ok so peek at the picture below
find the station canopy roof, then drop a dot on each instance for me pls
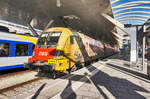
(131, 11)
(89, 12)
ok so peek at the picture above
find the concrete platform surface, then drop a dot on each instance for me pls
(109, 79)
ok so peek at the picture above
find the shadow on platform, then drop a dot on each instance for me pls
(129, 72)
(68, 89)
(38, 91)
(119, 88)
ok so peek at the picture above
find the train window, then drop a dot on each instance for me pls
(21, 50)
(4, 49)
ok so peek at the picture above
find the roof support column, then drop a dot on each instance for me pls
(133, 51)
(133, 56)
(144, 67)
(143, 54)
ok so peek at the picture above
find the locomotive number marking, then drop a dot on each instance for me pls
(43, 53)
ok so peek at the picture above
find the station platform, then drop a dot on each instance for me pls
(108, 79)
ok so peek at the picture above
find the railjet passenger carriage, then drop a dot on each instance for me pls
(62, 50)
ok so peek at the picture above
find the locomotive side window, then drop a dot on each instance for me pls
(71, 40)
(21, 50)
(4, 49)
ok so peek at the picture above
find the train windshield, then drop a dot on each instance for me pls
(49, 39)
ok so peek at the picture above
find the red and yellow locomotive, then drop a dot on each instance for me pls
(61, 49)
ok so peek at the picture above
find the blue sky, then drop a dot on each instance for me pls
(131, 11)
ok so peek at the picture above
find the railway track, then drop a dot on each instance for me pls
(13, 84)
(26, 86)
(18, 85)
(12, 79)
(10, 83)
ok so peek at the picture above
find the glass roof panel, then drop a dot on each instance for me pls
(131, 11)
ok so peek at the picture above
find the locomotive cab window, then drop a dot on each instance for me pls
(21, 50)
(4, 49)
(49, 38)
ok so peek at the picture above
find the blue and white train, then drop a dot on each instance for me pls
(15, 50)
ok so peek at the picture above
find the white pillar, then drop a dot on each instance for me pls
(133, 37)
(143, 54)
(143, 51)
(137, 52)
